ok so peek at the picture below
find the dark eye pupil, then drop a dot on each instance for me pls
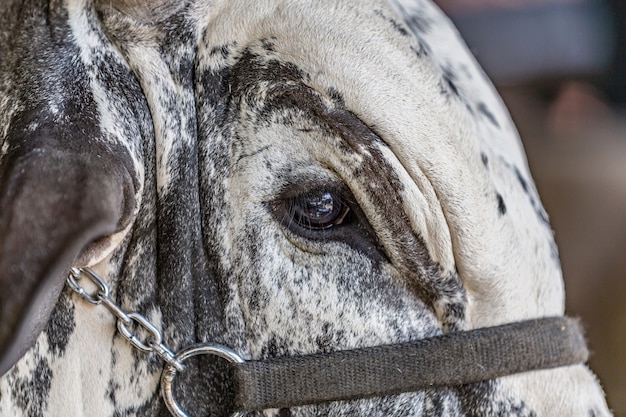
(318, 210)
(318, 207)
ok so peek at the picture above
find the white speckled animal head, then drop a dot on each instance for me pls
(281, 177)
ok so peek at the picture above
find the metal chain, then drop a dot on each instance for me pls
(153, 343)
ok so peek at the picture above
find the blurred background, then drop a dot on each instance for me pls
(560, 65)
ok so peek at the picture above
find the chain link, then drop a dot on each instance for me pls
(154, 341)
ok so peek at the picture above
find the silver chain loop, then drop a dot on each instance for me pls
(96, 298)
(153, 342)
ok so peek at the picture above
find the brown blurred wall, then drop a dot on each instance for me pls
(579, 166)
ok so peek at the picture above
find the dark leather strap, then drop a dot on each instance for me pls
(447, 360)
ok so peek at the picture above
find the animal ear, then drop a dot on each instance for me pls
(60, 192)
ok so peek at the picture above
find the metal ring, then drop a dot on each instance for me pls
(169, 373)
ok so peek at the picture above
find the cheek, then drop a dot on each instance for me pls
(295, 301)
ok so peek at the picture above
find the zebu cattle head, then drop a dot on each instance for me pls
(281, 177)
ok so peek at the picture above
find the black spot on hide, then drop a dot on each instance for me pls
(554, 252)
(419, 24)
(61, 325)
(534, 201)
(397, 26)
(336, 97)
(484, 110)
(223, 51)
(480, 400)
(330, 337)
(454, 312)
(435, 402)
(274, 348)
(521, 180)
(31, 393)
(501, 204)
(422, 49)
(451, 86)
(268, 44)
(485, 159)
(449, 82)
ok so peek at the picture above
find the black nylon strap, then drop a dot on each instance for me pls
(447, 360)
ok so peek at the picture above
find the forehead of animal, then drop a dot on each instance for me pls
(400, 69)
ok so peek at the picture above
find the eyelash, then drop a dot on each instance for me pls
(317, 210)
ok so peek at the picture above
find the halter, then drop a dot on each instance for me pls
(446, 360)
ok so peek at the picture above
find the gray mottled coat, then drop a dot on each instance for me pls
(165, 146)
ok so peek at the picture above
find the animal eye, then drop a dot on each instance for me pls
(317, 210)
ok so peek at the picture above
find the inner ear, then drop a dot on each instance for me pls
(56, 198)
